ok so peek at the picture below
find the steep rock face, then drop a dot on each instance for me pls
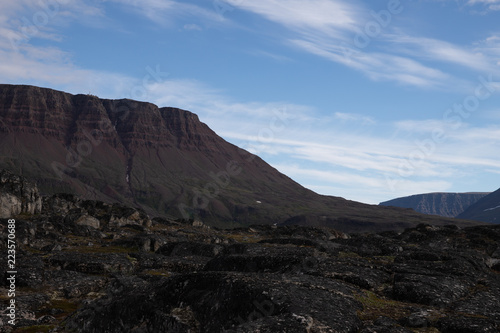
(443, 204)
(487, 209)
(17, 196)
(163, 160)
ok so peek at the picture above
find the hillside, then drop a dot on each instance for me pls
(165, 161)
(443, 204)
(486, 209)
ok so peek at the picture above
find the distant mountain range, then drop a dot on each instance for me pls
(166, 162)
(443, 204)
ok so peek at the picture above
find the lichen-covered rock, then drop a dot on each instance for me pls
(91, 263)
(171, 276)
(466, 324)
(213, 302)
(190, 249)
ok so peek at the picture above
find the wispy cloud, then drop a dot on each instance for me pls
(331, 18)
(491, 4)
(438, 50)
(336, 30)
(350, 117)
(165, 12)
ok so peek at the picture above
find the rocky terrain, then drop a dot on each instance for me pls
(487, 209)
(89, 266)
(165, 161)
(443, 204)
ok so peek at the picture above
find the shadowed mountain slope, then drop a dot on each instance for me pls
(486, 209)
(163, 160)
(444, 204)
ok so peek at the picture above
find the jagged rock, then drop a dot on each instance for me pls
(466, 324)
(190, 249)
(47, 319)
(253, 258)
(417, 320)
(143, 242)
(80, 217)
(122, 216)
(60, 203)
(493, 264)
(231, 301)
(73, 284)
(385, 325)
(91, 263)
(17, 195)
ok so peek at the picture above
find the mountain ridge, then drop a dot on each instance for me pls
(487, 209)
(163, 160)
(446, 204)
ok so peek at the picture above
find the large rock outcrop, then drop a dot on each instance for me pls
(17, 196)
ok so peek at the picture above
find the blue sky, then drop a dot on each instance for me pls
(368, 100)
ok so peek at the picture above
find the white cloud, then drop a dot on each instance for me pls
(336, 30)
(331, 18)
(350, 117)
(192, 27)
(21, 62)
(491, 4)
(164, 12)
(368, 188)
(439, 50)
(329, 29)
(380, 66)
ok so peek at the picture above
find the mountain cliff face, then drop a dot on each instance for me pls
(487, 209)
(163, 160)
(443, 204)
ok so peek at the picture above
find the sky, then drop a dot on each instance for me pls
(367, 100)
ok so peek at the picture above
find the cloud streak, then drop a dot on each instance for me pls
(351, 34)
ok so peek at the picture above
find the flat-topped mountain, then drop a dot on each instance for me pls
(444, 204)
(163, 160)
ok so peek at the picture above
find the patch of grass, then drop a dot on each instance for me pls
(32, 250)
(384, 259)
(65, 306)
(375, 306)
(131, 259)
(472, 315)
(35, 329)
(243, 238)
(425, 330)
(101, 249)
(158, 272)
(343, 254)
(26, 216)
